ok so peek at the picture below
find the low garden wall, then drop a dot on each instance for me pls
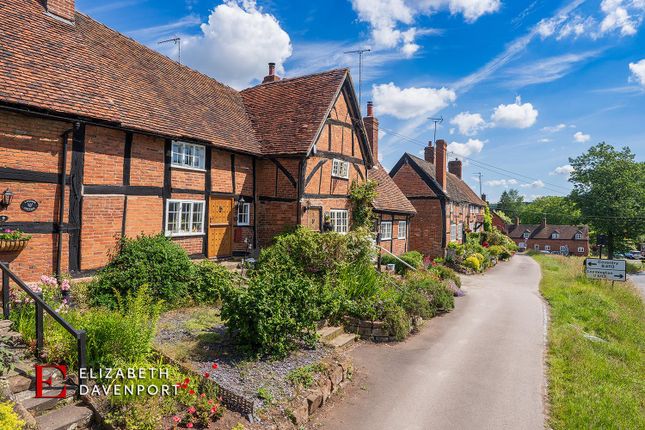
(375, 331)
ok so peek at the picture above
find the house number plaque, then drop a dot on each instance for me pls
(29, 205)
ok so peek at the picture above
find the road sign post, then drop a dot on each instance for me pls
(610, 270)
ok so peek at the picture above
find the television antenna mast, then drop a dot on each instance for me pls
(360, 53)
(480, 174)
(436, 121)
(175, 41)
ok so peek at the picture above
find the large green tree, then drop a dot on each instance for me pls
(511, 203)
(609, 189)
(556, 209)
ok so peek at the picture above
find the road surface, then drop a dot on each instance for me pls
(478, 367)
(639, 280)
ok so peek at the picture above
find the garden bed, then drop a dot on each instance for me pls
(197, 338)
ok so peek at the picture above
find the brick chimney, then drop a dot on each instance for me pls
(440, 165)
(271, 77)
(428, 153)
(543, 224)
(517, 221)
(454, 167)
(61, 8)
(371, 128)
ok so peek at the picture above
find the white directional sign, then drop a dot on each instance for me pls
(611, 270)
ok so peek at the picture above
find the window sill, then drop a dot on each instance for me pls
(192, 169)
(171, 235)
(243, 225)
(340, 177)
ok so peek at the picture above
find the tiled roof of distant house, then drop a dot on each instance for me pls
(537, 231)
(390, 198)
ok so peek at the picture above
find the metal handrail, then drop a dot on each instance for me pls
(80, 335)
(389, 252)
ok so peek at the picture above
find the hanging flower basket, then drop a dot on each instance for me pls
(13, 240)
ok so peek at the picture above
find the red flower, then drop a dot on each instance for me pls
(210, 402)
(206, 375)
(191, 410)
(214, 366)
(176, 419)
(186, 381)
(214, 409)
(184, 386)
(191, 392)
(189, 425)
(203, 395)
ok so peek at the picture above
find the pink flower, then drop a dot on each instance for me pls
(210, 402)
(176, 419)
(189, 425)
(191, 410)
(214, 409)
(7, 230)
(65, 286)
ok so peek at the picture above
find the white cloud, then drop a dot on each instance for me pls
(406, 103)
(546, 69)
(515, 115)
(236, 44)
(391, 21)
(468, 123)
(618, 16)
(545, 140)
(473, 146)
(501, 182)
(535, 184)
(638, 72)
(554, 128)
(567, 169)
(580, 137)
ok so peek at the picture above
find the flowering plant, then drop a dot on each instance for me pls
(202, 403)
(8, 234)
(53, 292)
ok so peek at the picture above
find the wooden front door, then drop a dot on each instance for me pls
(313, 218)
(220, 227)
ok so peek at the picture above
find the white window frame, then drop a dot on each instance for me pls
(243, 213)
(547, 247)
(526, 235)
(402, 230)
(564, 248)
(581, 249)
(386, 230)
(460, 232)
(184, 155)
(578, 236)
(453, 232)
(340, 169)
(342, 215)
(555, 235)
(180, 213)
(536, 247)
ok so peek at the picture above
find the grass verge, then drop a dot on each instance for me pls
(596, 349)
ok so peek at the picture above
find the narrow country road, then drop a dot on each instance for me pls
(479, 367)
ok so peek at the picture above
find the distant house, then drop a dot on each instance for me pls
(446, 206)
(499, 222)
(565, 239)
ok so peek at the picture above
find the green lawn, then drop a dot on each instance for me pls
(593, 383)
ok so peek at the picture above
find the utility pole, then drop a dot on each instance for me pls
(360, 53)
(175, 41)
(436, 121)
(480, 174)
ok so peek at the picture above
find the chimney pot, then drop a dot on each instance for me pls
(517, 221)
(271, 77)
(544, 222)
(428, 153)
(371, 129)
(454, 167)
(61, 8)
(440, 165)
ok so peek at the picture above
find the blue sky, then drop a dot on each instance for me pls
(521, 85)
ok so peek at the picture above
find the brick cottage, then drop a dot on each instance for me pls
(102, 137)
(446, 206)
(564, 239)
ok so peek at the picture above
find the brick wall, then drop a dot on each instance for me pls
(555, 245)
(147, 161)
(101, 228)
(221, 177)
(275, 218)
(395, 245)
(188, 179)
(244, 175)
(426, 230)
(408, 181)
(144, 215)
(104, 153)
(192, 245)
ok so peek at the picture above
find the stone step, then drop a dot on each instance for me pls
(66, 418)
(5, 323)
(18, 383)
(328, 333)
(38, 406)
(12, 336)
(342, 341)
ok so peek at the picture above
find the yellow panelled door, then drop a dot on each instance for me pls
(220, 225)
(312, 219)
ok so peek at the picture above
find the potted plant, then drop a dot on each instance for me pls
(13, 240)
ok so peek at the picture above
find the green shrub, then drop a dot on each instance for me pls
(413, 258)
(155, 261)
(304, 376)
(396, 319)
(278, 310)
(473, 262)
(480, 257)
(9, 420)
(446, 273)
(210, 280)
(428, 286)
(495, 250)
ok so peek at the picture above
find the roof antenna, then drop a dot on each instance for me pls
(436, 121)
(360, 53)
(175, 41)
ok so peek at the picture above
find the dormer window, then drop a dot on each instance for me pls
(578, 236)
(555, 235)
(526, 234)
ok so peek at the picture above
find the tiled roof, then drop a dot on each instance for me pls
(536, 231)
(90, 71)
(456, 189)
(390, 198)
(288, 114)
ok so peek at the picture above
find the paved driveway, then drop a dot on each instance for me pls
(479, 367)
